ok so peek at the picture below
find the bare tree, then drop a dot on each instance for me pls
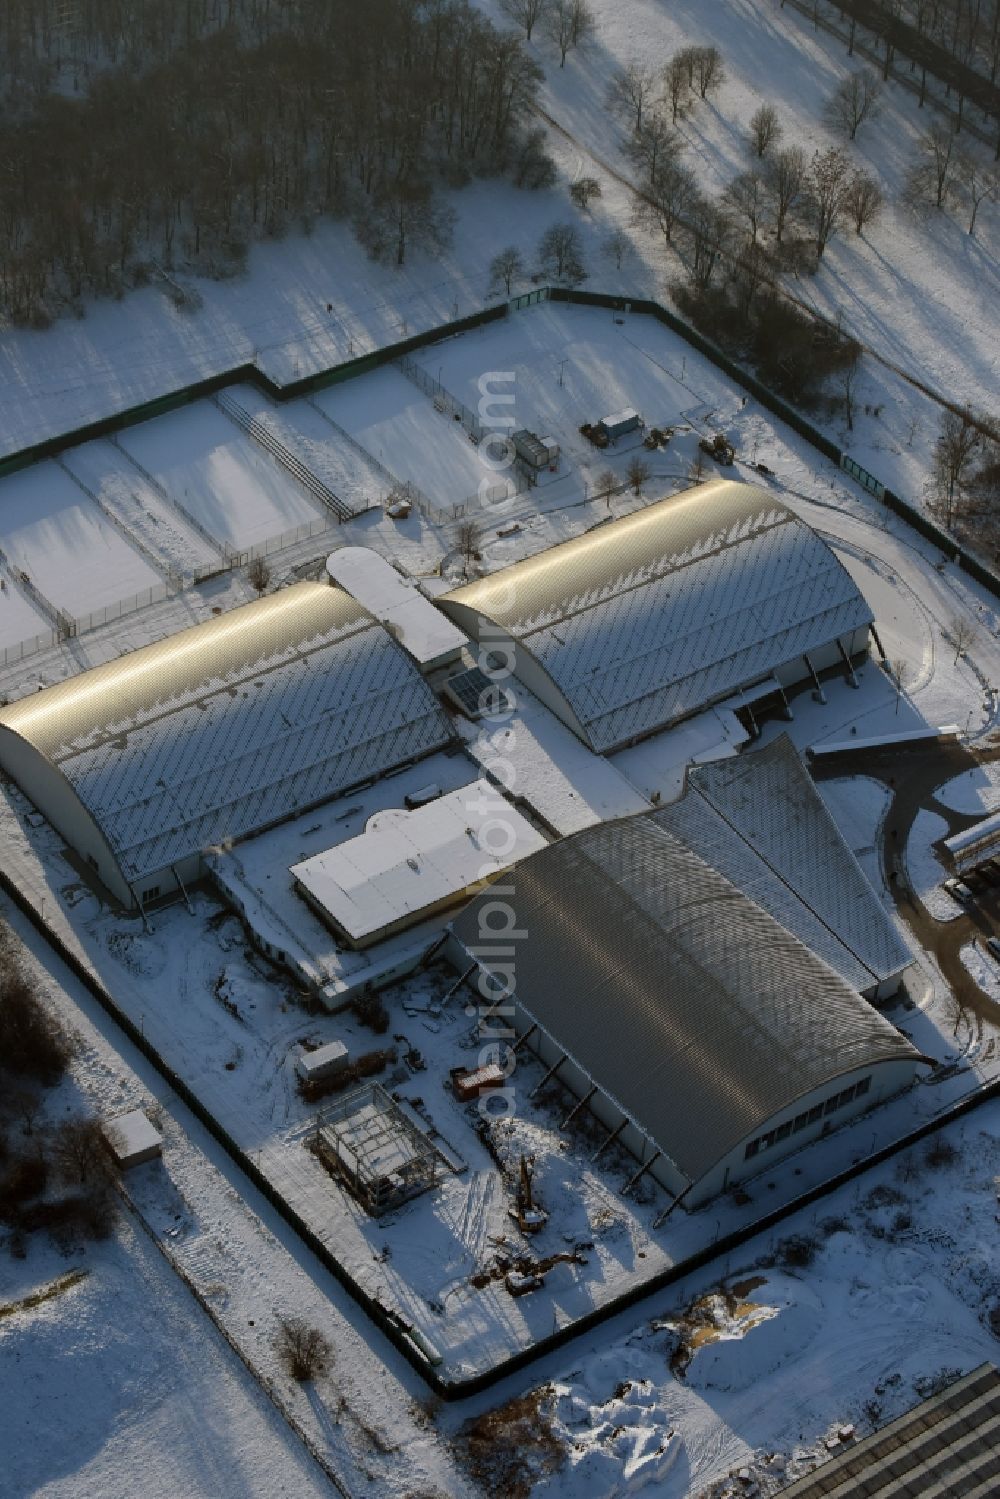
(404, 213)
(711, 239)
(745, 196)
(79, 1150)
(560, 254)
(652, 144)
(979, 182)
(931, 175)
(583, 190)
(467, 541)
(506, 267)
(607, 483)
(765, 130)
(304, 1350)
(27, 1106)
(632, 89)
(957, 445)
(677, 83)
(785, 175)
(637, 473)
(525, 13)
(848, 380)
(708, 70)
(669, 194)
(617, 247)
(568, 23)
(963, 633)
(853, 101)
(863, 200)
(259, 574)
(829, 177)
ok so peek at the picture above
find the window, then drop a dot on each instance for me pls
(151, 893)
(862, 1087)
(846, 1097)
(801, 1120)
(751, 1149)
(816, 1112)
(831, 1104)
(783, 1131)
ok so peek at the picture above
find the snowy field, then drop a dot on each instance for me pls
(306, 433)
(925, 870)
(397, 424)
(107, 472)
(125, 1387)
(51, 530)
(219, 475)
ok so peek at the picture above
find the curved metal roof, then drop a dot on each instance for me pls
(759, 819)
(680, 998)
(651, 617)
(232, 724)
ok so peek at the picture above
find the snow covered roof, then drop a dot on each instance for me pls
(685, 1002)
(411, 618)
(407, 862)
(760, 821)
(231, 725)
(652, 617)
(976, 844)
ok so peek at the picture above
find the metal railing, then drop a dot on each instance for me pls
(262, 434)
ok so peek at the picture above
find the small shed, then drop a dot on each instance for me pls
(132, 1140)
(619, 423)
(325, 1061)
(537, 452)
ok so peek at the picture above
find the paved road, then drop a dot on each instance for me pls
(912, 774)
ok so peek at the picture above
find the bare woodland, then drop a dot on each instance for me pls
(140, 136)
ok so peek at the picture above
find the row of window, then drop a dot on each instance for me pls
(802, 1121)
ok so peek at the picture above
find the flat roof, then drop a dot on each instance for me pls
(421, 629)
(406, 862)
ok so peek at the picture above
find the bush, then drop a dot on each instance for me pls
(303, 1350)
(25, 1177)
(941, 1153)
(797, 1252)
(31, 1041)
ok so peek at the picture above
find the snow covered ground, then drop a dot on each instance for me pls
(19, 619)
(220, 475)
(305, 432)
(925, 870)
(900, 1284)
(56, 534)
(983, 967)
(107, 472)
(397, 424)
(976, 793)
(858, 806)
(121, 1384)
